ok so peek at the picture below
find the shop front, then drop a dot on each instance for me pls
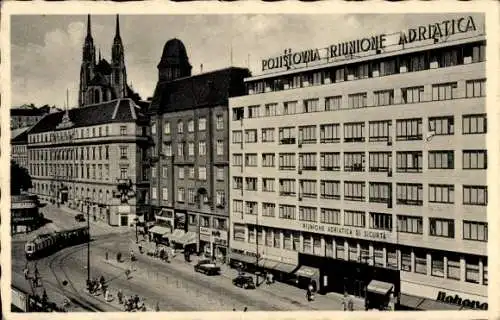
(205, 241)
(214, 243)
(181, 238)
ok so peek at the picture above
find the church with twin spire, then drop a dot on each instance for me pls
(100, 80)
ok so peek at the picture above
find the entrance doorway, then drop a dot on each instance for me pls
(359, 288)
(123, 220)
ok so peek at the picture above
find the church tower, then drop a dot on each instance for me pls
(119, 73)
(88, 64)
(174, 62)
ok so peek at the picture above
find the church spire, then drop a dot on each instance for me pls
(117, 32)
(89, 32)
(100, 55)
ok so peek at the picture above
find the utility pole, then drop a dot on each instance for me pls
(88, 242)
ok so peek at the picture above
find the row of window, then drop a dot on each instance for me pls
(202, 148)
(192, 196)
(439, 58)
(406, 129)
(202, 172)
(98, 196)
(94, 172)
(69, 135)
(401, 258)
(381, 192)
(81, 153)
(180, 125)
(445, 91)
(406, 161)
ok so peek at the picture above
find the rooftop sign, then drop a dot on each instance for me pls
(438, 30)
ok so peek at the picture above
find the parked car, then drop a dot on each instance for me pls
(244, 281)
(207, 267)
(80, 217)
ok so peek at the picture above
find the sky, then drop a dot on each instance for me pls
(46, 50)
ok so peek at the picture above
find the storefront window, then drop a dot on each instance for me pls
(340, 250)
(485, 274)
(392, 259)
(269, 237)
(287, 240)
(277, 239)
(317, 246)
(205, 222)
(453, 269)
(307, 244)
(472, 271)
(260, 235)
(365, 254)
(353, 252)
(239, 232)
(406, 261)
(420, 263)
(192, 219)
(296, 241)
(378, 253)
(251, 234)
(437, 266)
(329, 247)
(220, 223)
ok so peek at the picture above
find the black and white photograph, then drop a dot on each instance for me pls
(243, 162)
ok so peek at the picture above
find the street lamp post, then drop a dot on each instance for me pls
(87, 201)
(136, 236)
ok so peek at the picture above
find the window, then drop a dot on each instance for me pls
(253, 112)
(165, 194)
(412, 94)
(180, 194)
(329, 133)
(386, 68)
(180, 127)
(251, 159)
(287, 135)
(442, 227)
(381, 221)
(330, 161)
(380, 161)
(307, 161)
(287, 187)
(441, 126)
(220, 198)
(191, 172)
(477, 231)
(380, 192)
(444, 91)
(123, 152)
(383, 98)
(354, 190)
(308, 214)
(191, 196)
(287, 161)
(330, 216)
(123, 129)
(441, 193)
(356, 100)
(190, 149)
(287, 212)
(354, 132)
(476, 52)
(311, 105)
(406, 261)
(409, 129)
(437, 265)
(475, 88)
(181, 172)
(270, 109)
(268, 135)
(475, 159)
(219, 173)
(202, 124)
(380, 130)
(354, 218)
(307, 134)
(289, 107)
(220, 147)
(333, 103)
(239, 231)
(191, 126)
(420, 263)
(251, 136)
(330, 189)
(472, 270)
(153, 172)
(475, 195)
(409, 194)
(237, 183)
(354, 161)
(308, 189)
(474, 124)
(166, 128)
(268, 209)
(238, 113)
(180, 149)
(219, 122)
(409, 161)
(202, 173)
(485, 273)
(251, 207)
(168, 149)
(251, 184)
(441, 160)
(237, 137)
(410, 224)
(268, 159)
(238, 206)
(202, 148)
(268, 184)
(154, 193)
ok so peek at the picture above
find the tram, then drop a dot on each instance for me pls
(45, 244)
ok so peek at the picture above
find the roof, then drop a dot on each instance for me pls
(26, 111)
(174, 52)
(119, 110)
(19, 135)
(103, 67)
(206, 89)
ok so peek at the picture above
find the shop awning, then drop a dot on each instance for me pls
(242, 258)
(307, 272)
(159, 230)
(175, 236)
(188, 238)
(410, 301)
(429, 304)
(285, 267)
(379, 287)
(268, 263)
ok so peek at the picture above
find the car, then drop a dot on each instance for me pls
(207, 267)
(80, 217)
(244, 281)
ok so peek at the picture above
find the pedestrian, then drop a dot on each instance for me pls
(106, 255)
(344, 301)
(136, 301)
(120, 296)
(350, 305)
(37, 274)
(245, 309)
(127, 273)
(26, 272)
(157, 307)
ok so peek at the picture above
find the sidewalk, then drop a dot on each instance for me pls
(99, 224)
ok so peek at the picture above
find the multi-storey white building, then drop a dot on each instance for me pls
(369, 167)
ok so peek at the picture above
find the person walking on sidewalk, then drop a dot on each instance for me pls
(120, 296)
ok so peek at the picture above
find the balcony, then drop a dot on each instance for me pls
(287, 141)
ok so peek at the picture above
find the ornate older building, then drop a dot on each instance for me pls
(90, 158)
(189, 174)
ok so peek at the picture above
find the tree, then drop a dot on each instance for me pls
(20, 179)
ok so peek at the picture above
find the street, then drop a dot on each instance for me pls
(173, 286)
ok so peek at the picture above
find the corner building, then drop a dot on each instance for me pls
(368, 168)
(189, 167)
